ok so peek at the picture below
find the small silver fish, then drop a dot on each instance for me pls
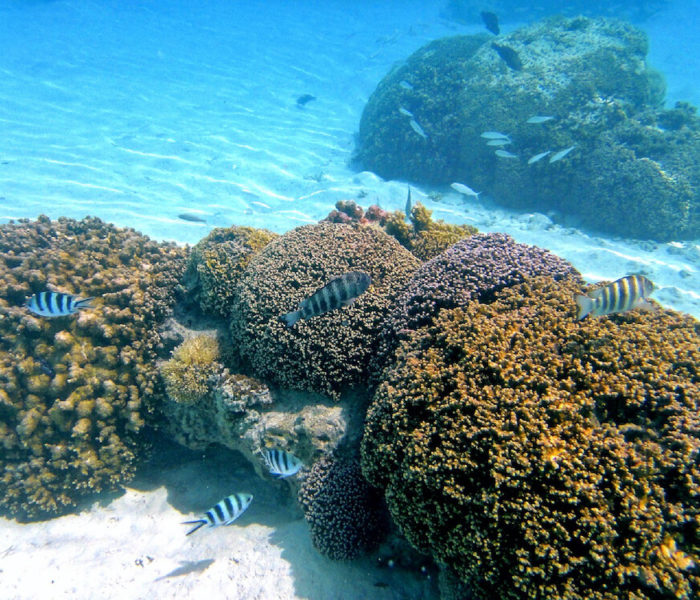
(418, 129)
(464, 189)
(281, 464)
(405, 112)
(561, 154)
(538, 119)
(56, 304)
(499, 142)
(505, 154)
(191, 218)
(619, 296)
(537, 157)
(409, 204)
(338, 292)
(405, 85)
(494, 135)
(224, 513)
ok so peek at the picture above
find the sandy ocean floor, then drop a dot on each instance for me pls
(137, 112)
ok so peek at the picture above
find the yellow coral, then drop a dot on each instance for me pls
(186, 374)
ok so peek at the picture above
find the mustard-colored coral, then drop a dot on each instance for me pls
(543, 457)
(217, 261)
(76, 390)
(187, 374)
(424, 237)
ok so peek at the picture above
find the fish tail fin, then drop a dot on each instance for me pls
(199, 523)
(585, 306)
(290, 318)
(85, 303)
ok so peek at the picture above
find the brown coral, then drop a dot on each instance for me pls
(76, 389)
(542, 457)
(217, 261)
(326, 353)
(187, 373)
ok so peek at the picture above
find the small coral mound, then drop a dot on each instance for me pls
(542, 457)
(424, 237)
(217, 261)
(188, 372)
(330, 352)
(473, 269)
(74, 390)
(346, 515)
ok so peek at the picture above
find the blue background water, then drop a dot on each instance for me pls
(139, 111)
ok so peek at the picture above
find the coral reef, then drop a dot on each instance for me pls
(187, 373)
(626, 172)
(542, 457)
(473, 269)
(423, 237)
(217, 261)
(345, 514)
(74, 391)
(329, 353)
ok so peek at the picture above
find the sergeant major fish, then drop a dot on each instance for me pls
(280, 463)
(338, 292)
(224, 513)
(56, 304)
(619, 296)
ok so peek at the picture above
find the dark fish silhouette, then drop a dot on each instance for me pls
(491, 21)
(191, 566)
(304, 99)
(509, 56)
(46, 367)
(191, 218)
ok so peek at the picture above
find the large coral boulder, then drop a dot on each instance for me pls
(330, 352)
(538, 456)
(75, 390)
(633, 168)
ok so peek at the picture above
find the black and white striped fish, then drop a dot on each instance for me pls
(338, 292)
(56, 304)
(280, 463)
(224, 513)
(619, 296)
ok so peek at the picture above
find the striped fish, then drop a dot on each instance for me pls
(616, 297)
(341, 291)
(224, 513)
(280, 463)
(56, 304)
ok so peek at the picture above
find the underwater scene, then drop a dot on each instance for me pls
(350, 300)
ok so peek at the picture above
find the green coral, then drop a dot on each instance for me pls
(538, 456)
(187, 373)
(75, 390)
(330, 352)
(217, 261)
(424, 237)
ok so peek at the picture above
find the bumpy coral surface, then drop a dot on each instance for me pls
(74, 390)
(625, 172)
(188, 372)
(330, 352)
(473, 269)
(217, 261)
(346, 515)
(543, 457)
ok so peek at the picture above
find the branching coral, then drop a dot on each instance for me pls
(188, 372)
(75, 390)
(471, 270)
(346, 515)
(330, 352)
(216, 263)
(544, 457)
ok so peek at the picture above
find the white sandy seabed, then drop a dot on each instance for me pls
(137, 113)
